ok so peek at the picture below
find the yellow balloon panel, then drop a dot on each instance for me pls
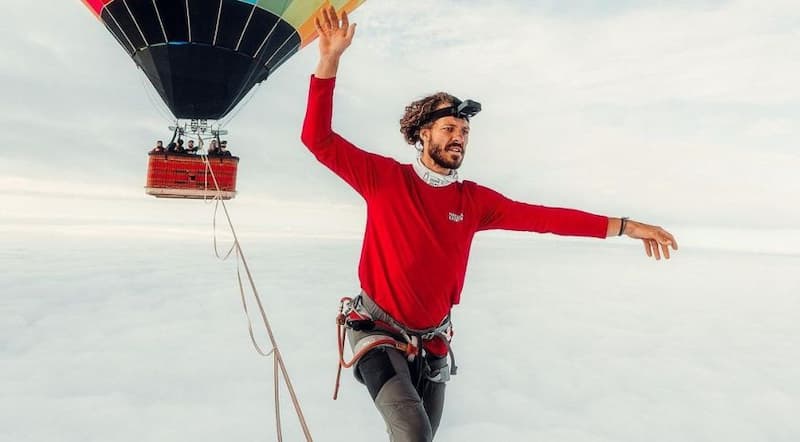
(301, 14)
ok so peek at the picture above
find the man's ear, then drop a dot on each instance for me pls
(425, 134)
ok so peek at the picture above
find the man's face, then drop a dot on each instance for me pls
(159, 144)
(191, 143)
(446, 141)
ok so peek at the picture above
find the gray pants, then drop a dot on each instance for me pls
(410, 403)
(404, 392)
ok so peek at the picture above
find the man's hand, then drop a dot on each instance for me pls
(335, 36)
(653, 238)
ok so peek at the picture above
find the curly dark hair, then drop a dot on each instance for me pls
(418, 110)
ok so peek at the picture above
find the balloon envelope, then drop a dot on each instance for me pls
(203, 56)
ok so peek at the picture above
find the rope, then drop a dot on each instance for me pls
(341, 335)
(371, 342)
(277, 399)
(250, 95)
(275, 352)
(167, 115)
(214, 237)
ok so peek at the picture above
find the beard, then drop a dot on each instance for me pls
(440, 156)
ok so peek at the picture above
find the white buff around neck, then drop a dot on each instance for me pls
(432, 178)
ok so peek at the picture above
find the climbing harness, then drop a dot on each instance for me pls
(383, 331)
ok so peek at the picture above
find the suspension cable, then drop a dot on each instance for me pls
(250, 95)
(163, 110)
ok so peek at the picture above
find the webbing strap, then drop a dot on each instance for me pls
(275, 352)
(373, 310)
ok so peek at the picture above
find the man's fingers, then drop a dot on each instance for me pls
(345, 22)
(665, 249)
(318, 26)
(334, 18)
(326, 20)
(351, 31)
(654, 245)
(672, 239)
(647, 248)
(665, 240)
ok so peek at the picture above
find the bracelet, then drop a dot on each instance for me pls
(623, 222)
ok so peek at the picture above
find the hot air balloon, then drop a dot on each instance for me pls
(204, 56)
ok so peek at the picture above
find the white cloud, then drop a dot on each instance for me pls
(124, 340)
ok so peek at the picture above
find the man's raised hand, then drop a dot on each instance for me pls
(335, 33)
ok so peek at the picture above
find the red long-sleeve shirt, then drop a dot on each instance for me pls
(418, 237)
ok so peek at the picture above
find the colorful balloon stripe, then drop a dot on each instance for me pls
(299, 13)
(96, 5)
(306, 29)
(203, 56)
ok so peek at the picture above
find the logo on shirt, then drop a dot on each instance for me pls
(456, 217)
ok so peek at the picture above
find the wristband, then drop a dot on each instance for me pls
(623, 222)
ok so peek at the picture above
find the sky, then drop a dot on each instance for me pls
(682, 114)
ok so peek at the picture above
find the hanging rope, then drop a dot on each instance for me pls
(163, 110)
(239, 106)
(278, 364)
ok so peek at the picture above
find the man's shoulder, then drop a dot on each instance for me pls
(479, 191)
(387, 161)
(471, 186)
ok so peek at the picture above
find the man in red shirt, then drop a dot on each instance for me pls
(421, 219)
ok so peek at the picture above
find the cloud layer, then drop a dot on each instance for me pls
(144, 340)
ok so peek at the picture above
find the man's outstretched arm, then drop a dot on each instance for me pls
(335, 36)
(500, 212)
(357, 167)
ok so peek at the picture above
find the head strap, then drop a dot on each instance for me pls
(460, 109)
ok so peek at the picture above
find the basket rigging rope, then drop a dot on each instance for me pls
(278, 364)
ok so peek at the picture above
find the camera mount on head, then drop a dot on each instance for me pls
(460, 109)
